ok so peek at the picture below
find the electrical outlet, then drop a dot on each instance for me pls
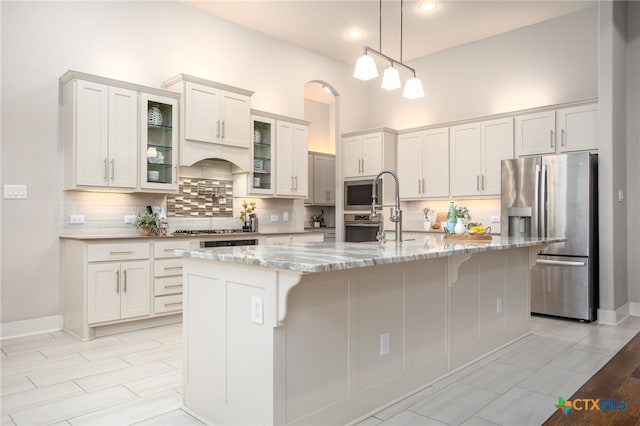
(274, 218)
(285, 216)
(130, 218)
(499, 305)
(385, 343)
(495, 219)
(620, 195)
(257, 312)
(76, 219)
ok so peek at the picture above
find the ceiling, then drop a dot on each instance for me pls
(322, 26)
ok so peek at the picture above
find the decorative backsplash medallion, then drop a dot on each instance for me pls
(198, 197)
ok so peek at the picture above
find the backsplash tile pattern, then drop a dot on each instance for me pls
(200, 197)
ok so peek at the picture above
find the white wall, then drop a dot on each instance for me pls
(633, 152)
(544, 64)
(320, 137)
(139, 42)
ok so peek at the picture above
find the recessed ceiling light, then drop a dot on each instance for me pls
(355, 34)
(428, 5)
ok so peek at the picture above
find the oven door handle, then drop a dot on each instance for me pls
(363, 225)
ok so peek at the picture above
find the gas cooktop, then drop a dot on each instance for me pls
(206, 231)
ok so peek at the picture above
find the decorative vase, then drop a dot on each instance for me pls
(155, 116)
(257, 136)
(316, 224)
(426, 225)
(145, 232)
(460, 228)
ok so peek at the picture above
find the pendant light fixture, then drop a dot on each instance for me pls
(366, 67)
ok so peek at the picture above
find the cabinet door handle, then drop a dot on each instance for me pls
(563, 138)
(125, 280)
(423, 186)
(218, 129)
(166, 305)
(477, 182)
(363, 165)
(222, 129)
(296, 179)
(106, 170)
(121, 252)
(175, 174)
(172, 286)
(171, 268)
(328, 196)
(117, 281)
(483, 188)
(551, 139)
(113, 169)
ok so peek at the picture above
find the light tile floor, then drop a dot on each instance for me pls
(135, 378)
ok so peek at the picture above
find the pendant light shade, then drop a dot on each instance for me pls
(391, 79)
(413, 89)
(365, 68)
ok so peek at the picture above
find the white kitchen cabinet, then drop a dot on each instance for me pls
(322, 179)
(110, 282)
(577, 128)
(214, 121)
(262, 178)
(476, 152)
(291, 159)
(573, 128)
(100, 135)
(118, 291)
(103, 120)
(367, 154)
(158, 143)
(423, 164)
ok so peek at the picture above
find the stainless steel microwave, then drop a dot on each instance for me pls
(358, 194)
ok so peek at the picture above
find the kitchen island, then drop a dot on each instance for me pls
(326, 333)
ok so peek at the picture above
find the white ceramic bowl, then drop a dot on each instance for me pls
(153, 175)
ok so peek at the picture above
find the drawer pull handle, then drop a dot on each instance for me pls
(166, 305)
(169, 268)
(172, 286)
(121, 252)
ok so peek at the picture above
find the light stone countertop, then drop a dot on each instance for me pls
(322, 257)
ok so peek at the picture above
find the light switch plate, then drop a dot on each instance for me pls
(76, 219)
(274, 218)
(385, 343)
(15, 191)
(130, 218)
(285, 216)
(495, 219)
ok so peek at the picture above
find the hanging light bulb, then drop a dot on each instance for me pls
(365, 68)
(413, 89)
(391, 79)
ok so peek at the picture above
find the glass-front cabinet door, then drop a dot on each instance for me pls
(263, 135)
(159, 143)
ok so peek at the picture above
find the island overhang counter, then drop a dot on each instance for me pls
(326, 333)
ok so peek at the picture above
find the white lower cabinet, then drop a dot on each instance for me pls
(112, 282)
(118, 290)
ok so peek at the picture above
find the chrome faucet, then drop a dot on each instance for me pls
(396, 217)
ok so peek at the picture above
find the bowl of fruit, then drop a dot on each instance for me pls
(478, 229)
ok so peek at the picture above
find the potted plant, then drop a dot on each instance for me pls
(462, 215)
(247, 209)
(317, 220)
(145, 222)
(428, 218)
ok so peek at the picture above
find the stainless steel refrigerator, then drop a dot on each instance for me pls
(556, 196)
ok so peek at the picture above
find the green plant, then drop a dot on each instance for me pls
(247, 209)
(318, 218)
(144, 219)
(428, 212)
(463, 213)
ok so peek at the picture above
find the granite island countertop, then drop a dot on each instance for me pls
(323, 257)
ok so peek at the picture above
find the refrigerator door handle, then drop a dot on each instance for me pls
(543, 202)
(559, 262)
(537, 210)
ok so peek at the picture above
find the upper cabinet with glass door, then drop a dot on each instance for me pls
(263, 134)
(159, 143)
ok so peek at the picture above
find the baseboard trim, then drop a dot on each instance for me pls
(31, 326)
(634, 309)
(610, 317)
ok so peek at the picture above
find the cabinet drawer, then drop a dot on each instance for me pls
(167, 267)
(167, 285)
(171, 303)
(117, 251)
(162, 249)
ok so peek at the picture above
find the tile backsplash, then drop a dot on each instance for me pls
(201, 197)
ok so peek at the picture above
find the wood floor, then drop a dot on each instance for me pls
(617, 381)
